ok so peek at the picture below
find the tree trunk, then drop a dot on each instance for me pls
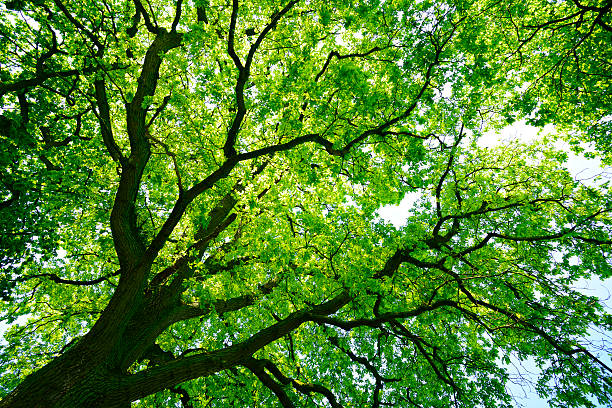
(69, 382)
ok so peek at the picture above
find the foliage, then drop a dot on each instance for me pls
(190, 194)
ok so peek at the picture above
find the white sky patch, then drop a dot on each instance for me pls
(397, 214)
(21, 320)
(517, 131)
(581, 168)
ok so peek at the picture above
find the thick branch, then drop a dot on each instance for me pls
(244, 71)
(192, 254)
(258, 369)
(167, 375)
(177, 15)
(231, 35)
(222, 306)
(105, 121)
(258, 366)
(382, 318)
(149, 23)
(40, 78)
(128, 244)
(341, 57)
(54, 278)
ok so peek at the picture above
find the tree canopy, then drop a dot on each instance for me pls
(189, 195)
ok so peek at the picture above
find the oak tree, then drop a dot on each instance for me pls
(190, 194)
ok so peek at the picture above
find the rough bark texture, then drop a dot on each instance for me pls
(151, 295)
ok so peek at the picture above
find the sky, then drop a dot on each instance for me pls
(582, 169)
